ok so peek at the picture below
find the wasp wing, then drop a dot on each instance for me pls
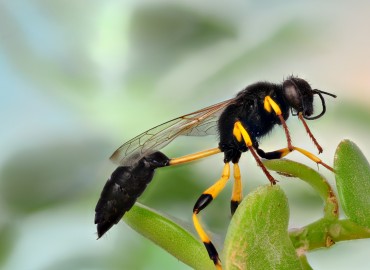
(200, 123)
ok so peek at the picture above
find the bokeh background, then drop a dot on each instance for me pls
(79, 78)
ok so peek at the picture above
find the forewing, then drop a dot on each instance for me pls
(199, 123)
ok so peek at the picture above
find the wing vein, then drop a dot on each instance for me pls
(199, 123)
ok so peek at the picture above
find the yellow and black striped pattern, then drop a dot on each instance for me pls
(206, 198)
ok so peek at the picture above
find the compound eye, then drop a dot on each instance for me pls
(293, 96)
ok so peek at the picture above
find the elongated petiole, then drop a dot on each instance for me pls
(195, 156)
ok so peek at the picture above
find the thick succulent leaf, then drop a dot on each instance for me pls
(258, 233)
(353, 182)
(169, 235)
(311, 177)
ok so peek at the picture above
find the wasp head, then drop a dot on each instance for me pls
(299, 95)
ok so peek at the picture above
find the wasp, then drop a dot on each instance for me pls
(240, 123)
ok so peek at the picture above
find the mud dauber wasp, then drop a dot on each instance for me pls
(240, 122)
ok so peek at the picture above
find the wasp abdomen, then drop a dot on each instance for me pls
(123, 188)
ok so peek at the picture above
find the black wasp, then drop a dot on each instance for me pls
(240, 123)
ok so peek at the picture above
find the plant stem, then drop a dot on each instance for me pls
(325, 233)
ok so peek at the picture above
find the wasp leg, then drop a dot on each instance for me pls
(237, 194)
(319, 148)
(270, 104)
(285, 151)
(240, 131)
(205, 199)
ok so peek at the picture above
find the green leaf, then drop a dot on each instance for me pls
(169, 235)
(258, 233)
(311, 177)
(353, 182)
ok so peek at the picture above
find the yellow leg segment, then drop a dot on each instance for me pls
(285, 151)
(313, 158)
(202, 234)
(216, 188)
(205, 199)
(207, 242)
(237, 194)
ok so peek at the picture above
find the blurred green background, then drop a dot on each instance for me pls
(79, 78)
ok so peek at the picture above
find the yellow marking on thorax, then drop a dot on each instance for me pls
(269, 104)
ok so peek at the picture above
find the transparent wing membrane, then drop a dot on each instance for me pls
(200, 123)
